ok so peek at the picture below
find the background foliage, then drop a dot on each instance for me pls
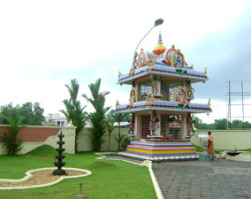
(32, 114)
(221, 124)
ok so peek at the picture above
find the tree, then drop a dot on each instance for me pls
(118, 117)
(110, 127)
(74, 111)
(220, 124)
(31, 114)
(237, 124)
(11, 142)
(38, 113)
(126, 118)
(97, 118)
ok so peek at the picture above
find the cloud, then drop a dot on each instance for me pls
(43, 45)
(226, 56)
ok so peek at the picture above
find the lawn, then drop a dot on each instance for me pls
(109, 180)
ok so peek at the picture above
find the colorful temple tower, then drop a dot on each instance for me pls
(161, 104)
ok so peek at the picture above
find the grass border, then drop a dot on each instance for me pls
(29, 175)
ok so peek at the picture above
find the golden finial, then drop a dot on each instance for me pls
(117, 103)
(192, 66)
(209, 102)
(173, 46)
(119, 74)
(205, 70)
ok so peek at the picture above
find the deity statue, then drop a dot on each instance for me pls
(154, 123)
(182, 98)
(189, 90)
(190, 130)
(154, 86)
(133, 96)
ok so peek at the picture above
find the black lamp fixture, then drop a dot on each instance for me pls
(158, 22)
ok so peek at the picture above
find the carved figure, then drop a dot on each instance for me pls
(154, 123)
(154, 86)
(189, 90)
(190, 130)
(149, 99)
(182, 98)
(133, 96)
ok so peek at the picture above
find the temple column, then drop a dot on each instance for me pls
(158, 130)
(136, 121)
(184, 126)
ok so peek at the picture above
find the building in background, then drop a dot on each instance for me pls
(56, 119)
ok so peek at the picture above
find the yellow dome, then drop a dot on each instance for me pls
(160, 48)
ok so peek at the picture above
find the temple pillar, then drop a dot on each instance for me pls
(158, 129)
(136, 125)
(159, 87)
(184, 126)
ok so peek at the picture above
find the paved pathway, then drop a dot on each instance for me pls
(219, 179)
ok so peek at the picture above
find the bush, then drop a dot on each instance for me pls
(11, 142)
(125, 142)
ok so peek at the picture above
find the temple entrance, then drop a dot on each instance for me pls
(145, 120)
(171, 126)
(175, 130)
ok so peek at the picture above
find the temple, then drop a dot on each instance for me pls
(160, 103)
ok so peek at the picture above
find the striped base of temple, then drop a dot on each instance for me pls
(165, 152)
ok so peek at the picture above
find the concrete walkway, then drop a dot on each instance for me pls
(193, 179)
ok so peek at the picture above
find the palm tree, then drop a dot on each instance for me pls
(118, 117)
(110, 127)
(74, 112)
(98, 118)
(12, 143)
(73, 90)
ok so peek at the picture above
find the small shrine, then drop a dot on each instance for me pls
(160, 102)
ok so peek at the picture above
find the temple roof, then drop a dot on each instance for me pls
(163, 70)
(163, 105)
(168, 63)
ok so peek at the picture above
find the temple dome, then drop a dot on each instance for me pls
(160, 48)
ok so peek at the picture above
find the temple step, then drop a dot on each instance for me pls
(163, 152)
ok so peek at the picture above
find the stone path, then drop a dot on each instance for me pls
(219, 179)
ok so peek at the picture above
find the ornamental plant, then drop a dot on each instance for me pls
(110, 127)
(12, 144)
(118, 117)
(74, 111)
(97, 118)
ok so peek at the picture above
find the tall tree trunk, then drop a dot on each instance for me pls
(118, 135)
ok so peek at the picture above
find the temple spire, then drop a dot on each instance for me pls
(160, 48)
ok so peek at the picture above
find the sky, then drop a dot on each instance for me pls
(45, 44)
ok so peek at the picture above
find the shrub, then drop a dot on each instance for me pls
(11, 142)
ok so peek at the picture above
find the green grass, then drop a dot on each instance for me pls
(110, 179)
(198, 148)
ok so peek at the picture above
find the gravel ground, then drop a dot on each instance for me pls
(39, 178)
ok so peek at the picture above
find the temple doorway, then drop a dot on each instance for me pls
(145, 120)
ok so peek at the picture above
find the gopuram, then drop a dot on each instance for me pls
(160, 103)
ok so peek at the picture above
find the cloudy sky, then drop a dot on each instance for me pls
(45, 44)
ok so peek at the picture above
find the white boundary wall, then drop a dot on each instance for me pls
(225, 139)
(84, 140)
(69, 139)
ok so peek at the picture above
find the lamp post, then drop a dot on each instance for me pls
(156, 23)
